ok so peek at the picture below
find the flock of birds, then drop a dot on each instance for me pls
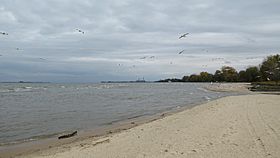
(146, 57)
(181, 52)
(18, 49)
(183, 36)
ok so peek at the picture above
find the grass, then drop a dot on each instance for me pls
(265, 86)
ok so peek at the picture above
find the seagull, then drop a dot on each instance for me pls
(214, 59)
(143, 58)
(152, 57)
(184, 35)
(181, 51)
(42, 59)
(250, 40)
(4, 33)
(205, 50)
(204, 65)
(79, 30)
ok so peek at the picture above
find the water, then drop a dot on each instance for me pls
(34, 111)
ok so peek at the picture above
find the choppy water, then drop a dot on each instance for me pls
(34, 111)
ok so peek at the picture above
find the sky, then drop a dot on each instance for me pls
(131, 39)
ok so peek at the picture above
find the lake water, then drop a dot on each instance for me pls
(30, 111)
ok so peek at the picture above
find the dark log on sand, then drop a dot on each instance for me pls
(68, 135)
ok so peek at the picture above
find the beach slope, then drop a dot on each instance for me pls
(236, 126)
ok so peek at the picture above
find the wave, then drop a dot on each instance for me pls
(203, 89)
(21, 89)
(207, 98)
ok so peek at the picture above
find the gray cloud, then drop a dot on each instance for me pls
(123, 31)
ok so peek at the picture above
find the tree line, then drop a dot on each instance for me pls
(268, 70)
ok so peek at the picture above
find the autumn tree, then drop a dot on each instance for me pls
(270, 68)
(229, 74)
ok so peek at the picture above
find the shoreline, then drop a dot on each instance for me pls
(229, 87)
(233, 126)
(30, 147)
(107, 130)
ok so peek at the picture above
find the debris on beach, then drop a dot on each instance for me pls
(68, 135)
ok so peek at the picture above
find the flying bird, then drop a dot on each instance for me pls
(250, 40)
(184, 35)
(205, 50)
(42, 59)
(181, 52)
(152, 57)
(4, 33)
(143, 58)
(214, 59)
(79, 30)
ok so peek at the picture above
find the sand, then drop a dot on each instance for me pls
(236, 126)
(229, 87)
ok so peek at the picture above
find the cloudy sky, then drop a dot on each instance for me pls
(130, 39)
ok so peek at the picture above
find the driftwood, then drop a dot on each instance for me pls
(68, 135)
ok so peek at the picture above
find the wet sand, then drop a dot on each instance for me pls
(236, 126)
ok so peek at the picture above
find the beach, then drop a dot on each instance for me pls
(234, 126)
(139, 79)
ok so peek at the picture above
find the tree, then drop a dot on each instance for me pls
(270, 68)
(205, 77)
(194, 78)
(185, 78)
(218, 76)
(229, 74)
(252, 74)
(242, 76)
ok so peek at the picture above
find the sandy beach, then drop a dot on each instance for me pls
(229, 87)
(235, 126)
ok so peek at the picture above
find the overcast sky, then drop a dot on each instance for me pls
(44, 45)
